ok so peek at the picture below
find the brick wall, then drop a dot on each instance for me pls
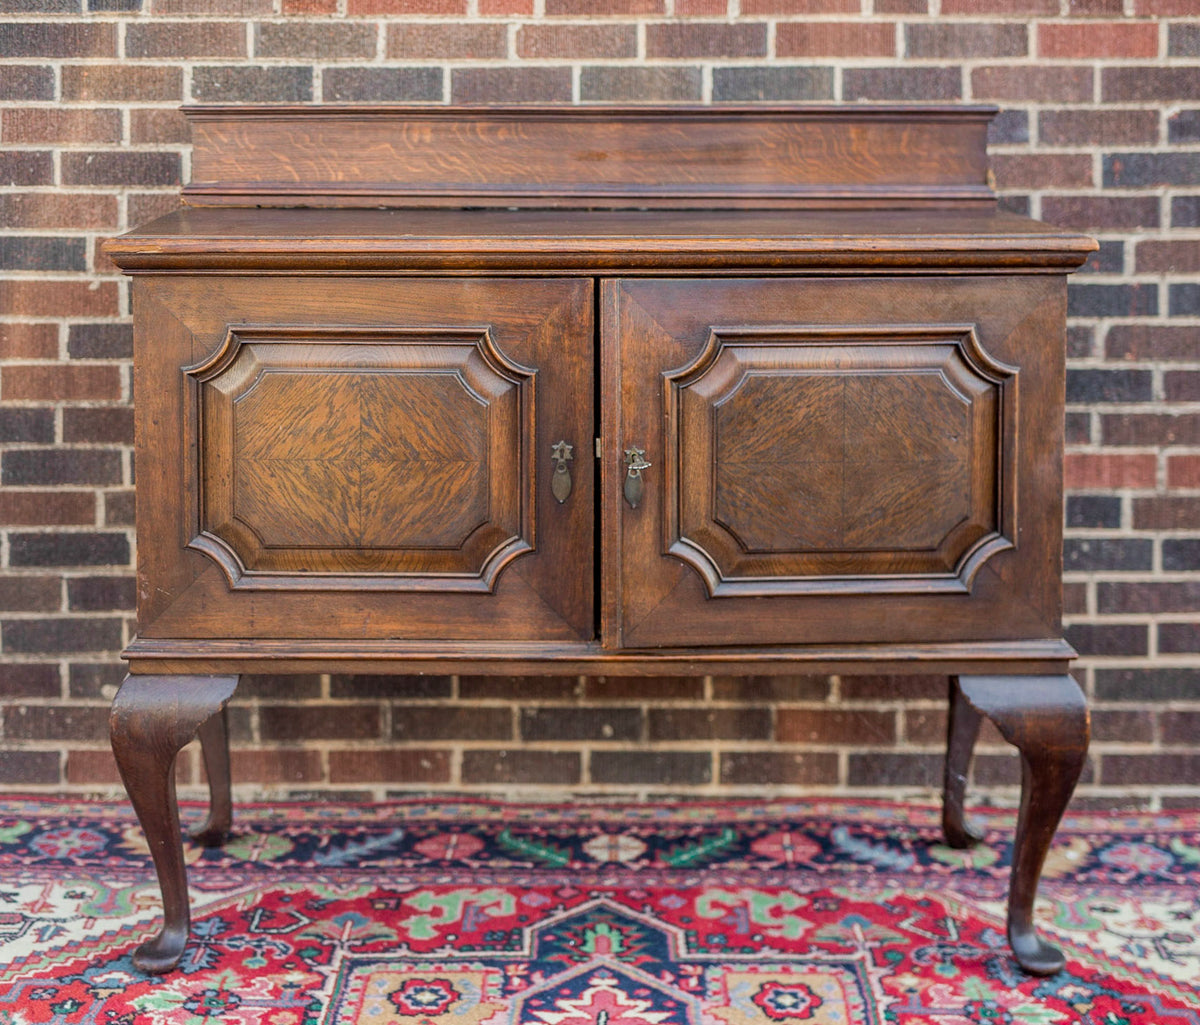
(1100, 131)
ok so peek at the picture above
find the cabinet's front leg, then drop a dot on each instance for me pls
(152, 718)
(1046, 719)
(214, 745)
(962, 730)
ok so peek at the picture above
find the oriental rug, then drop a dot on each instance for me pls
(463, 912)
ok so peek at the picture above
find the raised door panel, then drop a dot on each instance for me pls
(837, 461)
(364, 458)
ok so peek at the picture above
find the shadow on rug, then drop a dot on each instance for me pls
(475, 913)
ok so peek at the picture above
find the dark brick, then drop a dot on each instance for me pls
(1150, 342)
(766, 768)
(26, 766)
(1041, 83)
(280, 765)
(56, 722)
(83, 549)
(58, 39)
(1148, 685)
(639, 84)
(1166, 514)
(26, 424)
(1184, 300)
(99, 6)
(101, 594)
(185, 39)
(751, 84)
(681, 768)
(1139, 300)
(709, 724)
(459, 41)
(406, 765)
(1149, 83)
(1149, 769)
(1156, 596)
(94, 680)
(996, 769)
(861, 727)
(121, 83)
(397, 687)
(1179, 726)
(706, 39)
(1092, 511)
(1109, 638)
(894, 769)
(1181, 554)
(238, 84)
(607, 722)
(1009, 126)
(1108, 553)
(120, 168)
(1101, 213)
(893, 688)
(382, 85)
(770, 688)
(476, 722)
(319, 722)
(518, 688)
(1179, 639)
(1185, 212)
(98, 424)
(1081, 339)
(30, 680)
(913, 83)
(494, 766)
(964, 39)
(1139, 170)
(26, 82)
(1158, 256)
(119, 509)
(1074, 599)
(1182, 128)
(1013, 204)
(1098, 127)
(1091, 386)
(100, 341)
(1119, 726)
(511, 85)
(1183, 39)
(1182, 385)
(644, 688)
(26, 167)
(594, 41)
(30, 594)
(1108, 259)
(273, 687)
(38, 636)
(324, 40)
(1077, 428)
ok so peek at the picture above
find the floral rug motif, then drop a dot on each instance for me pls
(461, 912)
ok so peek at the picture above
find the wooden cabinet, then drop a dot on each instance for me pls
(642, 391)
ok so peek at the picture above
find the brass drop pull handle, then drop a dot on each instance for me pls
(560, 480)
(635, 487)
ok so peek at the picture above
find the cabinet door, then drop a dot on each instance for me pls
(364, 458)
(835, 460)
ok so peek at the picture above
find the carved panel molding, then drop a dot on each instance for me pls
(858, 459)
(395, 458)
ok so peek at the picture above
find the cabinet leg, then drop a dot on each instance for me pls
(214, 745)
(1046, 719)
(152, 718)
(962, 731)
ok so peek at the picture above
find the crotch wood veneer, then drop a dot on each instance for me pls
(588, 390)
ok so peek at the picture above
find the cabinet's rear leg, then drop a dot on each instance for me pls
(961, 733)
(1046, 719)
(214, 744)
(152, 718)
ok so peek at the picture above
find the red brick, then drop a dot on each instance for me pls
(59, 381)
(447, 42)
(1103, 470)
(1167, 8)
(189, 39)
(1182, 385)
(1159, 257)
(277, 765)
(1045, 84)
(1098, 127)
(1111, 39)
(92, 766)
(789, 7)
(402, 7)
(47, 508)
(1166, 513)
(30, 594)
(1183, 471)
(1101, 213)
(1156, 342)
(835, 39)
(1042, 170)
(521, 765)
(556, 40)
(51, 124)
(650, 688)
(503, 8)
(389, 765)
(59, 299)
(1150, 429)
(145, 206)
(999, 7)
(58, 209)
(819, 726)
(901, 6)
(755, 768)
(701, 8)
(28, 341)
(706, 39)
(122, 82)
(307, 722)
(156, 125)
(309, 7)
(606, 8)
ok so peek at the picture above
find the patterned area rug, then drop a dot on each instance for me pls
(475, 913)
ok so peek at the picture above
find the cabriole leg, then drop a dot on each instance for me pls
(1046, 719)
(962, 731)
(152, 718)
(214, 745)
